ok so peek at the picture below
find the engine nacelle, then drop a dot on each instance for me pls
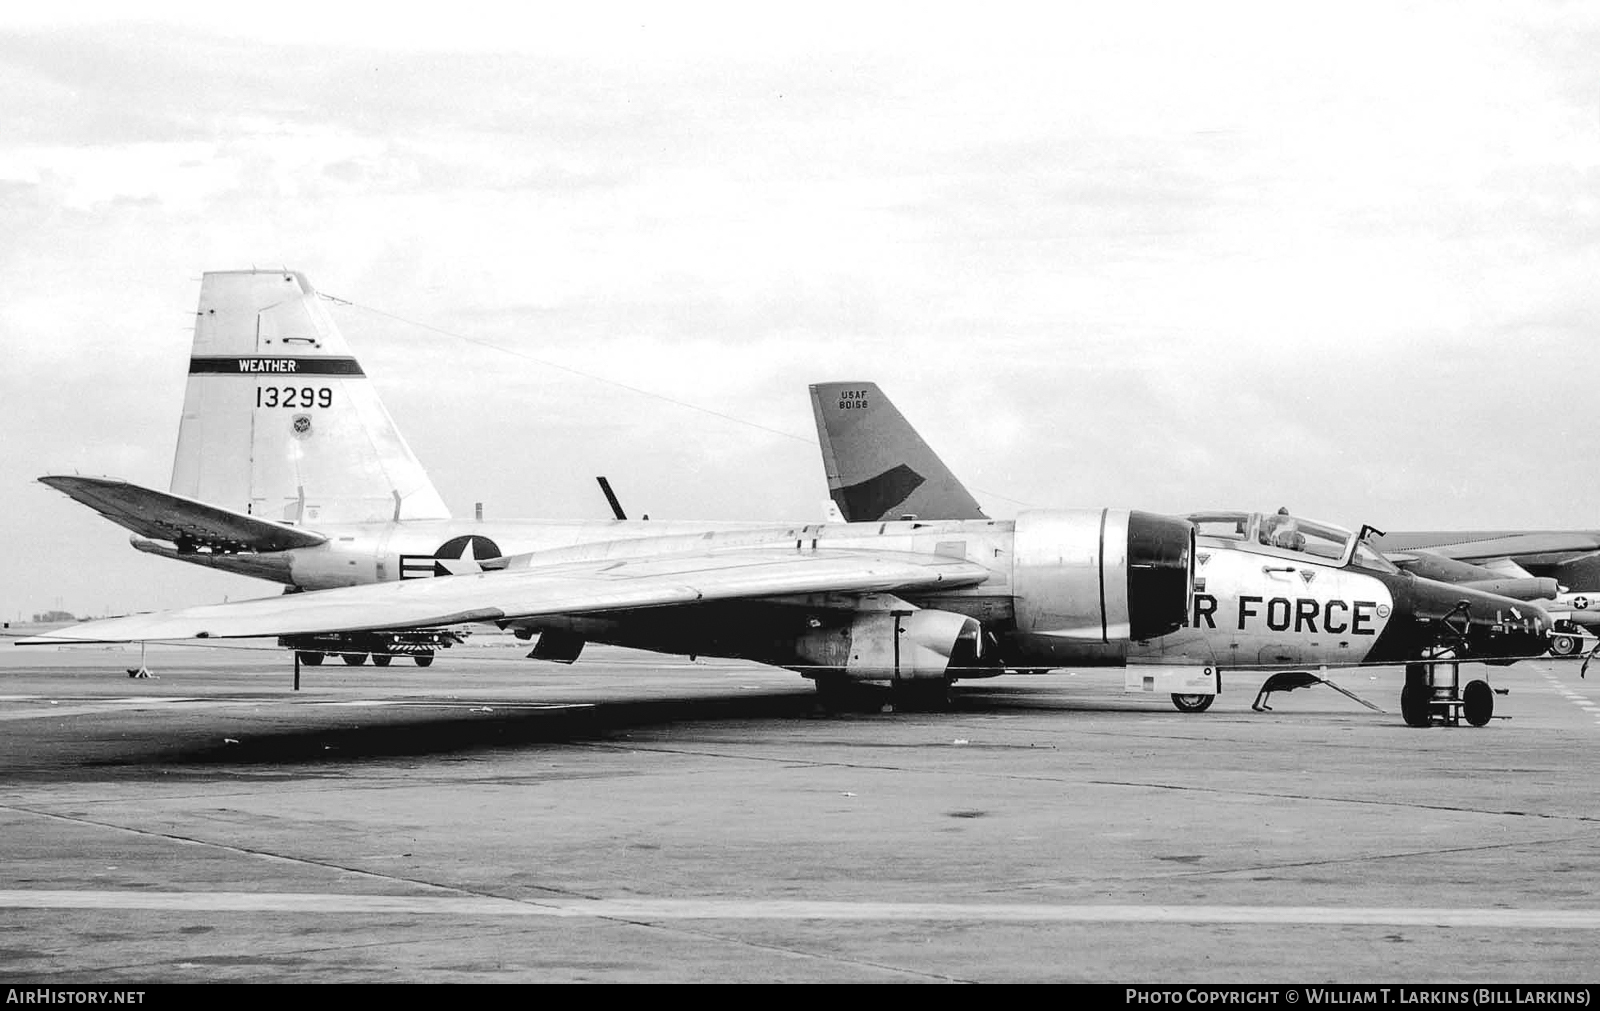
(1528, 588)
(1102, 575)
(894, 645)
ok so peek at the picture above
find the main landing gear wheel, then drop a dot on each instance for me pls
(423, 659)
(1563, 645)
(381, 659)
(310, 657)
(354, 659)
(1477, 703)
(1193, 703)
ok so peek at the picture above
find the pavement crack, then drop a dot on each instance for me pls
(1363, 801)
(467, 892)
(1370, 857)
(296, 861)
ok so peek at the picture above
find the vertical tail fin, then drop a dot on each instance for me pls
(878, 467)
(280, 422)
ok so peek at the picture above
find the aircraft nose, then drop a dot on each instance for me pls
(1477, 623)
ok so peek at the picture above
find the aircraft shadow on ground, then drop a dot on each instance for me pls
(406, 731)
(422, 731)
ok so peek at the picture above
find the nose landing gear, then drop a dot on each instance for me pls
(1433, 695)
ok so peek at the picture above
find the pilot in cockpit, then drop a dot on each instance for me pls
(1282, 531)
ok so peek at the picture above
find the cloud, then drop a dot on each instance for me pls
(1164, 256)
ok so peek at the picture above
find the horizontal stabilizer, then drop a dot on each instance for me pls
(193, 526)
(570, 588)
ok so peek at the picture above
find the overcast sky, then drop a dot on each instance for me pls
(1339, 257)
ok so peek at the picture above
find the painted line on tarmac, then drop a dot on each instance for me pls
(473, 706)
(50, 709)
(647, 910)
(1583, 702)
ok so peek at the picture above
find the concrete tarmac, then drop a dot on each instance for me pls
(634, 818)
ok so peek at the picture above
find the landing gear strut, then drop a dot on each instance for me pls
(839, 694)
(929, 695)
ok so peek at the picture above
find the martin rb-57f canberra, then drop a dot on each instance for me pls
(1274, 594)
(1560, 569)
(289, 468)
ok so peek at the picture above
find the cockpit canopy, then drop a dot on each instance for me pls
(1284, 535)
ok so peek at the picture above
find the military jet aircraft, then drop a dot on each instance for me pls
(878, 467)
(288, 468)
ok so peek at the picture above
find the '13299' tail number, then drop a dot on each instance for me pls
(294, 396)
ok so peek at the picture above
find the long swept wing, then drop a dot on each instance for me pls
(168, 517)
(1487, 545)
(572, 588)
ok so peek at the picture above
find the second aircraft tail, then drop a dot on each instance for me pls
(878, 467)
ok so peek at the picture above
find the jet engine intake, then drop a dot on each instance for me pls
(1107, 575)
(896, 645)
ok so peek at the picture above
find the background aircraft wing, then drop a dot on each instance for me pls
(1485, 546)
(167, 517)
(569, 588)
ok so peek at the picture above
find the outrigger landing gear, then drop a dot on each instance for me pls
(1433, 694)
(140, 671)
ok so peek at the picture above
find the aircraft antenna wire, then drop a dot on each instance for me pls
(567, 368)
(810, 440)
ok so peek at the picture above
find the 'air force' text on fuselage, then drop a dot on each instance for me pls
(1283, 614)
